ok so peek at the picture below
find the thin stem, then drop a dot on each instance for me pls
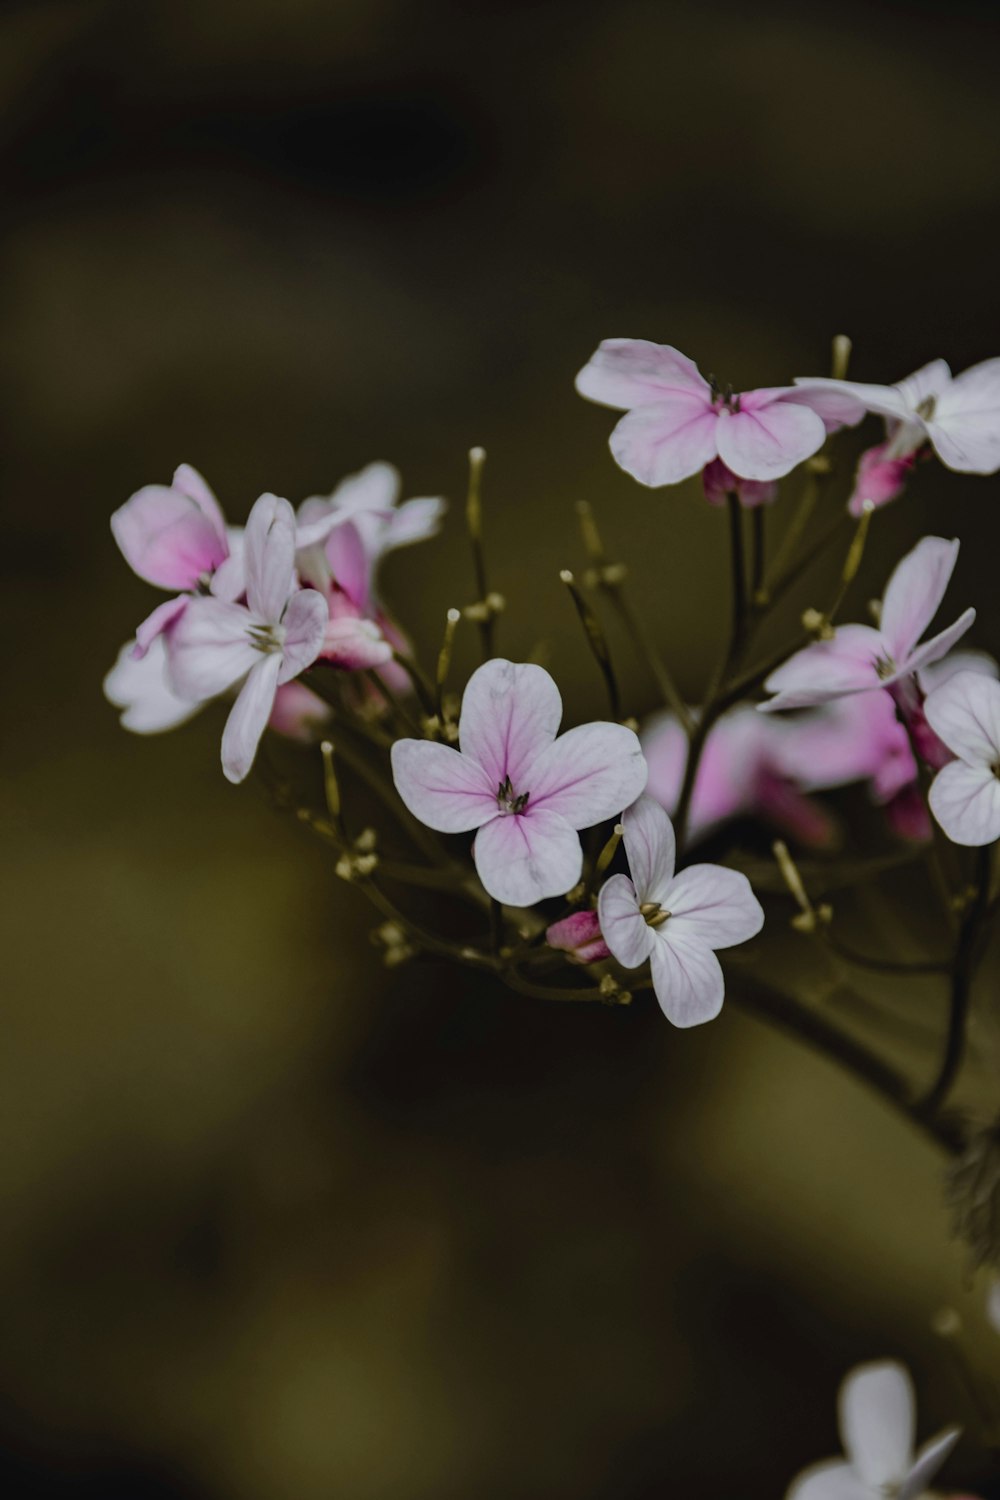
(484, 612)
(647, 651)
(966, 956)
(596, 640)
(759, 557)
(421, 683)
(516, 981)
(737, 561)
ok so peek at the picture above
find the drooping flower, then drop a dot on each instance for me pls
(964, 713)
(958, 415)
(860, 658)
(216, 645)
(881, 476)
(524, 790)
(675, 920)
(175, 537)
(140, 687)
(579, 937)
(678, 423)
(877, 1416)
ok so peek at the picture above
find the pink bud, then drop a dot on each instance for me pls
(579, 937)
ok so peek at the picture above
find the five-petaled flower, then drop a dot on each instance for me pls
(964, 713)
(677, 423)
(675, 919)
(877, 1414)
(267, 641)
(525, 791)
(859, 658)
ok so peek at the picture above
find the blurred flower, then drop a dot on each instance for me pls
(859, 658)
(298, 713)
(959, 416)
(881, 476)
(579, 937)
(526, 791)
(718, 482)
(678, 423)
(964, 712)
(877, 1414)
(266, 642)
(676, 921)
(139, 686)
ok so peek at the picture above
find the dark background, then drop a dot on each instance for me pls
(275, 1222)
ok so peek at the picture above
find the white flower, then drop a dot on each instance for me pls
(964, 712)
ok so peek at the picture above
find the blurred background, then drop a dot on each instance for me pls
(277, 1222)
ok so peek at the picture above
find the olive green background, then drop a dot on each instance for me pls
(276, 1222)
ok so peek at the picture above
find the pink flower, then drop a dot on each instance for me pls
(676, 921)
(877, 1427)
(880, 477)
(175, 538)
(959, 416)
(526, 791)
(718, 482)
(579, 937)
(677, 423)
(860, 658)
(272, 638)
(965, 795)
(140, 687)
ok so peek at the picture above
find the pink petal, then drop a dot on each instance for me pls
(651, 848)
(414, 521)
(579, 937)
(718, 482)
(210, 649)
(712, 905)
(965, 424)
(833, 1480)
(161, 619)
(357, 645)
(586, 775)
(189, 482)
(139, 686)
(877, 1422)
(880, 478)
(930, 1458)
(940, 644)
(835, 407)
(305, 622)
(248, 717)
(445, 790)
(965, 800)
(298, 713)
(625, 929)
(687, 978)
(269, 557)
(510, 714)
(167, 538)
(634, 372)
(668, 442)
(350, 562)
(914, 592)
(766, 441)
(827, 669)
(229, 579)
(526, 858)
(965, 712)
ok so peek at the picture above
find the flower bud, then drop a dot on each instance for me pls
(579, 937)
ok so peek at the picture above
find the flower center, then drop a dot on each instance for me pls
(884, 666)
(653, 914)
(507, 799)
(266, 638)
(724, 398)
(925, 408)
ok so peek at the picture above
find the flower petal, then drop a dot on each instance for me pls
(524, 858)
(350, 562)
(651, 848)
(248, 717)
(932, 379)
(765, 441)
(832, 1480)
(634, 372)
(415, 521)
(444, 789)
(687, 978)
(167, 538)
(210, 649)
(161, 619)
(510, 714)
(965, 424)
(190, 482)
(877, 1419)
(827, 669)
(932, 1455)
(940, 644)
(625, 930)
(666, 442)
(269, 557)
(885, 400)
(138, 685)
(588, 774)
(713, 905)
(965, 712)
(836, 408)
(305, 622)
(914, 592)
(966, 802)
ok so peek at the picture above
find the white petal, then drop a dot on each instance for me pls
(248, 717)
(877, 1420)
(827, 669)
(269, 557)
(651, 848)
(623, 927)
(914, 593)
(588, 774)
(832, 1480)
(713, 905)
(932, 379)
(668, 442)
(930, 1458)
(965, 425)
(510, 714)
(966, 802)
(634, 372)
(940, 644)
(139, 687)
(965, 712)
(885, 400)
(524, 859)
(305, 623)
(687, 978)
(766, 440)
(209, 648)
(447, 791)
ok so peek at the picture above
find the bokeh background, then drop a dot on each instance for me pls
(276, 1222)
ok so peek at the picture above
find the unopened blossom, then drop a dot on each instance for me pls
(526, 791)
(877, 1418)
(677, 423)
(881, 476)
(958, 415)
(964, 713)
(861, 658)
(719, 482)
(675, 920)
(579, 937)
(217, 645)
(175, 537)
(140, 687)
